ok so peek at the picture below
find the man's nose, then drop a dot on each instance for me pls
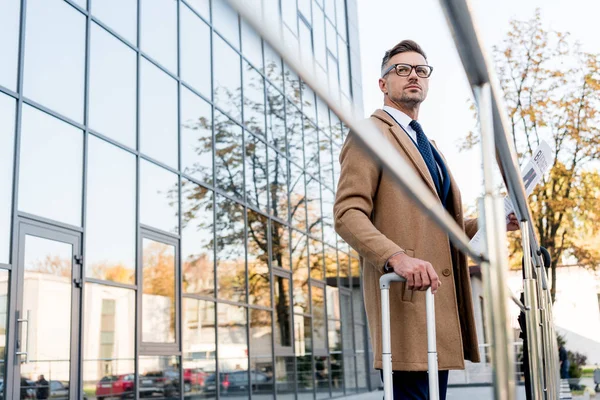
(413, 75)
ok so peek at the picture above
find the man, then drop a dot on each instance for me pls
(390, 233)
(43, 388)
(563, 357)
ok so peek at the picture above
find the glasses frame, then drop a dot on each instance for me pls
(387, 71)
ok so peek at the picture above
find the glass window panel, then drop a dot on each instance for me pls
(290, 15)
(336, 165)
(303, 350)
(229, 162)
(259, 279)
(331, 266)
(280, 242)
(297, 198)
(311, 148)
(319, 36)
(233, 344)
(344, 67)
(9, 45)
(256, 172)
(276, 118)
(315, 256)
(278, 181)
(109, 340)
(328, 198)
(231, 265)
(362, 371)
(285, 386)
(333, 302)
(336, 133)
(331, 38)
(111, 204)
(358, 308)
(283, 312)
(344, 263)
(292, 86)
(195, 51)
(158, 298)
(123, 22)
(294, 134)
(4, 280)
(160, 372)
(55, 57)
(254, 100)
(322, 115)
(291, 40)
(306, 43)
(354, 267)
(159, 197)
(322, 373)
(308, 103)
(347, 324)
(340, 9)
(325, 159)
(350, 374)
(196, 136)
(7, 138)
(304, 6)
(226, 22)
(334, 83)
(318, 309)
(112, 87)
(159, 31)
(201, 6)
(227, 77)
(158, 114)
(199, 340)
(330, 9)
(261, 351)
(301, 303)
(261, 368)
(252, 46)
(51, 164)
(337, 374)
(197, 242)
(273, 66)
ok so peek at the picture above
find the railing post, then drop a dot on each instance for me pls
(493, 224)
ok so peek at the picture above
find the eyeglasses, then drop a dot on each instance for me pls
(422, 71)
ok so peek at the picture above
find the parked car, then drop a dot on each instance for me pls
(59, 390)
(115, 386)
(236, 382)
(165, 382)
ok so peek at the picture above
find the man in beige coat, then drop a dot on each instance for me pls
(390, 233)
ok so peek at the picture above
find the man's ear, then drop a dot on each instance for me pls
(383, 85)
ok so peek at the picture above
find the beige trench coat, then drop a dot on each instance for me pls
(377, 219)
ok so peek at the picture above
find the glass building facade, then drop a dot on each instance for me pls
(166, 194)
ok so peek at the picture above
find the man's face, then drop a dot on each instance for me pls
(409, 90)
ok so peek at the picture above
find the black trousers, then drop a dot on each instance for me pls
(414, 385)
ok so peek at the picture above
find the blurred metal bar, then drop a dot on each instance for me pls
(516, 300)
(370, 137)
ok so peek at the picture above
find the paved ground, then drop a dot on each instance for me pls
(471, 393)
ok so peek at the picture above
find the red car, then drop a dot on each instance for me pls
(115, 386)
(193, 379)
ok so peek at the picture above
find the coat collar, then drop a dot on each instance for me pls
(409, 147)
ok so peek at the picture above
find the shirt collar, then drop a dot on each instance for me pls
(401, 118)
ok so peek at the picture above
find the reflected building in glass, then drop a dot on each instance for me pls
(166, 203)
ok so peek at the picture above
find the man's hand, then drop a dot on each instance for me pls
(419, 274)
(513, 223)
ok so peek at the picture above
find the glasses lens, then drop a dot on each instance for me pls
(403, 70)
(423, 71)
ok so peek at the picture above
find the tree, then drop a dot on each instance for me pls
(552, 91)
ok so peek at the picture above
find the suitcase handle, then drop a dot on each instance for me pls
(432, 361)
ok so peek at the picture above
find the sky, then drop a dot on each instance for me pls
(445, 115)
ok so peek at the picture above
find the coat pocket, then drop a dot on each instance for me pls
(407, 294)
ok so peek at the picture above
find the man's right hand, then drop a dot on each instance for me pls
(419, 274)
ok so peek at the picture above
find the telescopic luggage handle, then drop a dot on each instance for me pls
(432, 362)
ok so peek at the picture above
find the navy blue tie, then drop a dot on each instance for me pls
(425, 150)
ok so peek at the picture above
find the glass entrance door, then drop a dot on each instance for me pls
(48, 292)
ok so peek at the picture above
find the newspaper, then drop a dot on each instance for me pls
(532, 174)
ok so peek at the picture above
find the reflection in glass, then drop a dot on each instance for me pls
(294, 134)
(334, 336)
(55, 57)
(158, 299)
(315, 256)
(322, 373)
(109, 341)
(254, 100)
(328, 229)
(280, 245)
(4, 276)
(7, 135)
(297, 198)
(337, 374)
(311, 148)
(344, 262)
(162, 373)
(48, 274)
(159, 197)
(232, 339)
(110, 222)
(354, 267)
(199, 347)
(51, 167)
(197, 243)
(261, 354)
(252, 45)
(304, 376)
(300, 273)
(258, 260)
(362, 370)
(331, 266)
(227, 78)
(231, 266)
(331, 38)
(340, 8)
(283, 315)
(9, 46)
(292, 86)
(285, 373)
(158, 114)
(112, 87)
(319, 36)
(196, 136)
(325, 160)
(278, 185)
(322, 115)
(306, 43)
(319, 327)
(344, 67)
(226, 22)
(273, 65)
(229, 162)
(313, 207)
(195, 51)
(201, 6)
(158, 28)
(275, 119)
(334, 83)
(123, 22)
(350, 373)
(336, 134)
(305, 8)
(256, 172)
(261, 376)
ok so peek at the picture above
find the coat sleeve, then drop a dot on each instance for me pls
(357, 187)
(471, 227)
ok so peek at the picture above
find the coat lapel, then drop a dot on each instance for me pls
(408, 146)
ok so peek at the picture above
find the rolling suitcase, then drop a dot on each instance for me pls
(432, 362)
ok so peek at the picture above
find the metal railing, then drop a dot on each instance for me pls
(494, 143)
